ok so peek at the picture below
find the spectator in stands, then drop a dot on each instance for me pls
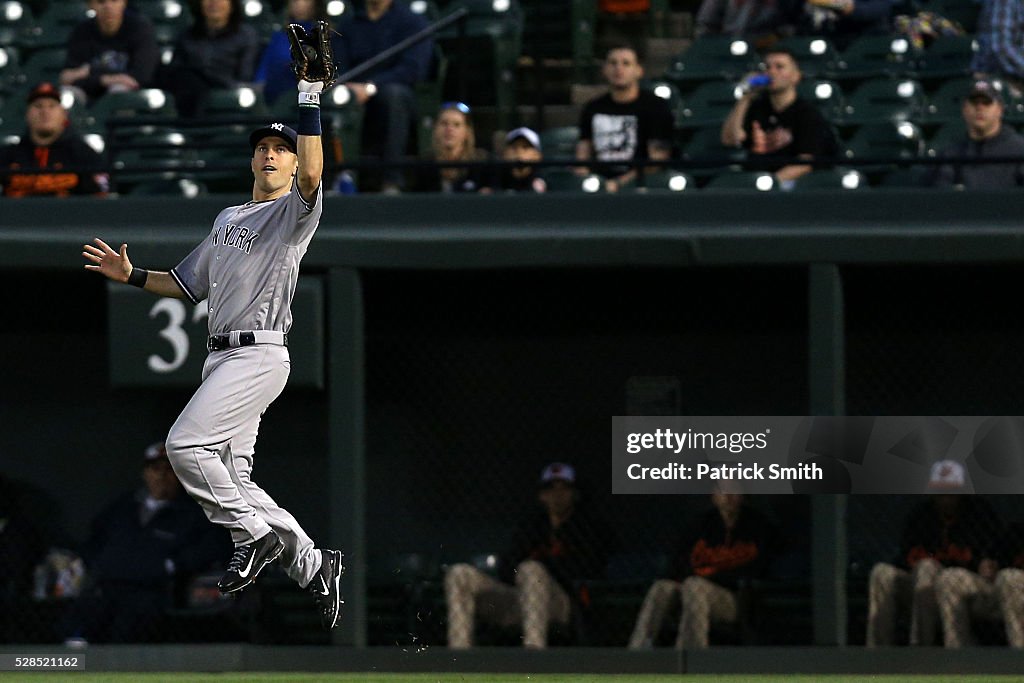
(986, 137)
(275, 68)
(50, 143)
(762, 23)
(626, 124)
(114, 51)
(1000, 37)
(731, 543)
(522, 145)
(385, 91)
(219, 50)
(540, 575)
(454, 140)
(143, 549)
(946, 530)
(779, 128)
(844, 20)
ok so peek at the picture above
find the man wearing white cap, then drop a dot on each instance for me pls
(948, 530)
(522, 145)
(539, 575)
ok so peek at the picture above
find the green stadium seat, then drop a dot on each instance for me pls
(559, 142)
(944, 104)
(15, 21)
(53, 28)
(816, 55)
(155, 156)
(758, 181)
(174, 13)
(884, 99)
(560, 31)
(234, 102)
(664, 182)
(565, 180)
(947, 136)
(144, 103)
(947, 57)
(427, 9)
(876, 148)
(42, 65)
(913, 176)
(828, 95)
(705, 149)
(345, 118)
(832, 179)
(670, 93)
(10, 62)
(711, 58)
(708, 105)
(872, 56)
(428, 100)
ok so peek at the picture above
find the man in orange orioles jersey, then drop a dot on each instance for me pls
(730, 542)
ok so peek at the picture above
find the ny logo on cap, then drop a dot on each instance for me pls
(277, 126)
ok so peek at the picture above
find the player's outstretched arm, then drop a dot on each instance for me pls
(116, 266)
(313, 65)
(311, 164)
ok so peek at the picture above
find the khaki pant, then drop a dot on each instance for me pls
(893, 590)
(534, 602)
(964, 595)
(1010, 589)
(704, 603)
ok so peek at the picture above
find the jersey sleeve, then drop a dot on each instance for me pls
(193, 273)
(303, 215)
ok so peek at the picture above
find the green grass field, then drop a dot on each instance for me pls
(483, 678)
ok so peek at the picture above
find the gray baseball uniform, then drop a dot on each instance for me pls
(246, 270)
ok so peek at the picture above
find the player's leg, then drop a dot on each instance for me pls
(237, 384)
(1010, 588)
(924, 619)
(704, 602)
(956, 589)
(662, 595)
(470, 594)
(888, 588)
(541, 601)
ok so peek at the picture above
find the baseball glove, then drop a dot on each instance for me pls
(312, 59)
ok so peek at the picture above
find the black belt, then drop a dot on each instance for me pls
(220, 342)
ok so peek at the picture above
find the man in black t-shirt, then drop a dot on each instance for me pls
(778, 127)
(626, 124)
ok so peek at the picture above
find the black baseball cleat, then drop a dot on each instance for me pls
(248, 561)
(326, 587)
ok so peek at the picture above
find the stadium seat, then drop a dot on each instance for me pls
(9, 68)
(559, 142)
(947, 136)
(708, 105)
(178, 187)
(234, 102)
(963, 13)
(711, 58)
(872, 56)
(174, 13)
(560, 31)
(148, 102)
(427, 9)
(345, 118)
(670, 93)
(156, 156)
(743, 180)
(565, 180)
(884, 99)
(947, 57)
(912, 176)
(15, 20)
(429, 95)
(876, 148)
(944, 104)
(42, 65)
(53, 28)
(828, 95)
(832, 179)
(816, 55)
(706, 150)
(664, 182)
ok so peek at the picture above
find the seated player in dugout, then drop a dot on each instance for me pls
(541, 577)
(732, 542)
(62, 163)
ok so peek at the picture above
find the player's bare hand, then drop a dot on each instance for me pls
(113, 264)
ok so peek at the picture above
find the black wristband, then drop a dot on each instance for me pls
(138, 277)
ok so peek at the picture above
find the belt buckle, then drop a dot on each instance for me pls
(209, 344)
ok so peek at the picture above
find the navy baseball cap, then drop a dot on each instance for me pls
(279, 130)
(987, 88)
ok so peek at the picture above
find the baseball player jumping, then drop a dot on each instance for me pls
(246, 270)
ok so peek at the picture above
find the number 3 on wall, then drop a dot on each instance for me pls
(174, 333)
